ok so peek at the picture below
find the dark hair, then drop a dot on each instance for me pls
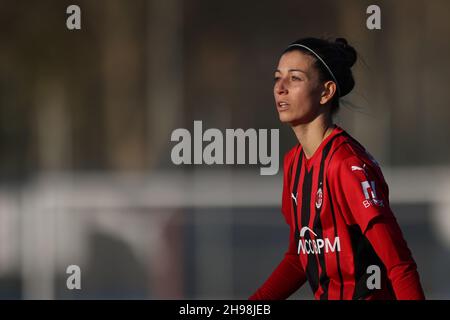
(339, 57)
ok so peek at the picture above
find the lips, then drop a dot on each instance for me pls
(282, 105)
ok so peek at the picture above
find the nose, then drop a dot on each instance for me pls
(280, 87)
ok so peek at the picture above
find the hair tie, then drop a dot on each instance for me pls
(321, 60)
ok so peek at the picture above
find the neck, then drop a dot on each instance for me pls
(311, 134)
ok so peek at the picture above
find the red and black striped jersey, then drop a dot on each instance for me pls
(342, 230)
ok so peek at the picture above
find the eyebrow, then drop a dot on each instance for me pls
(290, 70)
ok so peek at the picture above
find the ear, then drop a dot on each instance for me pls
(329, 90)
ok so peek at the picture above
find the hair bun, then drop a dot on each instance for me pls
(342, 41)
(349, 51)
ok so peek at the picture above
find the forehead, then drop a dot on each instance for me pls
(295, 60)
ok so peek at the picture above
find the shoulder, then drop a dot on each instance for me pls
(348, 155)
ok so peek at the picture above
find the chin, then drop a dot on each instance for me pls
(286, 118)
(289, 119)
(295, 120)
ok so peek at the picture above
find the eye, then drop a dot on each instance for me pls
(276, 78)
(295, 78)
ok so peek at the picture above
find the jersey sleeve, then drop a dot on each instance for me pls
(361, 192)
(387, 240)
(363, 199)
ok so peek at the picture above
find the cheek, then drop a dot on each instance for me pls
(307, 93)
(301, 93)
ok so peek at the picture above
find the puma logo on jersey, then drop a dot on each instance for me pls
(356, 168)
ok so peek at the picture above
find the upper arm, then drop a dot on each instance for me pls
(361, 192)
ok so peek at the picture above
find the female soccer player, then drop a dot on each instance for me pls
(344, 239)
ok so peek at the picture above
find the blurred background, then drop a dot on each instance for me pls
(86, 117)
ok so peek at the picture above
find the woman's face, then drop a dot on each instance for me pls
(297, 89)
